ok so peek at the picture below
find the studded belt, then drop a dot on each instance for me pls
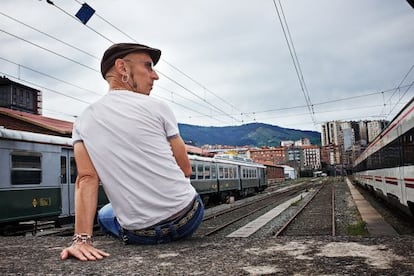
(164, 227)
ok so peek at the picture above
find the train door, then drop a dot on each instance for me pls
(67, 179)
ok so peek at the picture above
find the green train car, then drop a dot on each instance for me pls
(37, 174)
(226, 176)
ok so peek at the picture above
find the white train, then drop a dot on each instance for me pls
(387, 165)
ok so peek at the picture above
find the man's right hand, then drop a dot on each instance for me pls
(83, 252)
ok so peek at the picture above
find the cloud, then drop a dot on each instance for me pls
(234, 53)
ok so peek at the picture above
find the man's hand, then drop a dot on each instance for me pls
(83, 252)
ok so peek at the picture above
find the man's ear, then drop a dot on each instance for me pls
(120, 66)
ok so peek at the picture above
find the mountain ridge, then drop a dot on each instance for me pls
(252, 134)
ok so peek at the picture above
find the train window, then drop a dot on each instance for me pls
(200, 171)
(248, 173)
(376, 160)
(244, 173)
(408, 148)
(213, 172)
(207, 172)
(73, 170)
(193, 171)
(226, 173)
(391, 154)
(26, 168)
(363, 166)
(63, 174)
(221, 172)
(233, 172)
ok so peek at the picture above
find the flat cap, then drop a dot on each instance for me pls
(120, 50)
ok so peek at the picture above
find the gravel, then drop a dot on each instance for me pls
(346, 212)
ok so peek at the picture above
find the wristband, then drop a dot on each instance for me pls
(81, 238)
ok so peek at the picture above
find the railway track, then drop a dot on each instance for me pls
(315, 218)
(218, 221)
(227, 217)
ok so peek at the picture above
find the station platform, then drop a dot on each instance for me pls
(375, 223)
(341, 255)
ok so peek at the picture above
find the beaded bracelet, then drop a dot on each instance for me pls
(81, 238)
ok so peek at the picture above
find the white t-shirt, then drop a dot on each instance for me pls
(126, 135)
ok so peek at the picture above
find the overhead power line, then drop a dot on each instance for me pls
(109, 23)
(204, 102)
(197, 96)
(77, 62)
(50, 51)
(295, 60)
(258, 112)
(201, 85)
(173, 94)
(192, 109)
(70, 15)
(169, 78)
(45, 88)
(48, 35)
(398, 89)
(401, 97)
(166, 62)
(50, 76)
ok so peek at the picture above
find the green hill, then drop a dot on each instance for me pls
(254, 134)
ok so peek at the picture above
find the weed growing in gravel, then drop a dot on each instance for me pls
(357, 229)
(296, 203)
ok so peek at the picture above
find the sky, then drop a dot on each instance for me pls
(223, 63)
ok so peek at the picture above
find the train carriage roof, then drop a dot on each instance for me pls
(25, 136)
(226, 161)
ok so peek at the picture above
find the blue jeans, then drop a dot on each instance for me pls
(163, 233)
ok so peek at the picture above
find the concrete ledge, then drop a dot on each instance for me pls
(203, 256)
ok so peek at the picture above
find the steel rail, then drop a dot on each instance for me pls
(264, 202)
(247, 204)
(284, 227)
(217, 229)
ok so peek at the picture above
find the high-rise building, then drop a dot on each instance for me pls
(331, 133)
(348, 135)
(311, 157)
(375, 128)
(362, 139)
(341, 138)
